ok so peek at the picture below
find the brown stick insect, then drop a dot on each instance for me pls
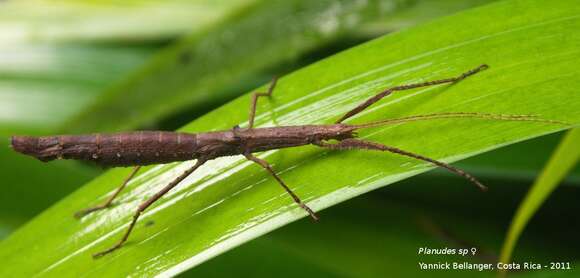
(157, 147)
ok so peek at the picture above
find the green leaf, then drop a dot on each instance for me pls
(533, 58)
(562, 161)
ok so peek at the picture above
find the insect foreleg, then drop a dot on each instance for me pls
(349, 144)
(268, 168)
(255, 96)
(389, 91)
(146, 204)
(109, 201)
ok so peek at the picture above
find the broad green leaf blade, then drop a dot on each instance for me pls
(202, 69)
(533, 58)
(562, 161)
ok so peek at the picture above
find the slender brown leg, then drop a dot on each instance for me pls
(255, 100)
(349, 144)
(268, 168)
(388, 91)
(146, 204)
(106, 204)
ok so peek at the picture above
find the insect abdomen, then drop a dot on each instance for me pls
(121, 149)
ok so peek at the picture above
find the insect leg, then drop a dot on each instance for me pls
(255, 100)
(349, 144)
(388, 91)
(107, 203)
(268, 168)
(146, 204)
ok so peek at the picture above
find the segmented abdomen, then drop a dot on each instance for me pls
(121, 149)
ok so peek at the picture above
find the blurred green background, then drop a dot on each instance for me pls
(105, 65)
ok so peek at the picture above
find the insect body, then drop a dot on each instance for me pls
(154, 147)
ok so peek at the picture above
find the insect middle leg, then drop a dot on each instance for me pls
(146, 204)
(268, 168)
(255, 97)
(349, 144)
(109, 201)
(389, 91)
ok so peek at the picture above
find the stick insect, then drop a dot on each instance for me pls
(157, 147)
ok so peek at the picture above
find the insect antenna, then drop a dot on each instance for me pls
(456, 115)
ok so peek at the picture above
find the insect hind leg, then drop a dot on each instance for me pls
(254, 101)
